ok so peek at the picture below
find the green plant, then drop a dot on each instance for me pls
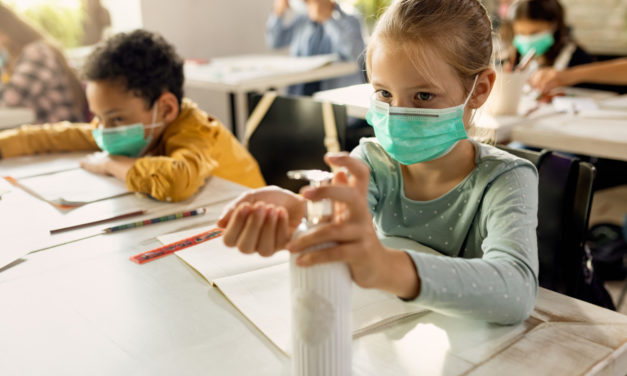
(61, 21)
(369, 9)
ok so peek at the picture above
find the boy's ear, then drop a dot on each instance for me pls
(485, 83)
(168, 109)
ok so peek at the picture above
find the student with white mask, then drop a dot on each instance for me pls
(316, 27)
(421, 179)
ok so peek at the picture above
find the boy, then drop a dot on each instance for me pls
(157, 142)
(318, 27)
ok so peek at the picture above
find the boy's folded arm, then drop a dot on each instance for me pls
(171, 178)
(55, 137)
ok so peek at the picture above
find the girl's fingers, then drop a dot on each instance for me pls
(249, 236)
(266, 244)
(322, 256)
(236, 224)
(325, 233)
(340, 193)
(282, 229)
(358, 169)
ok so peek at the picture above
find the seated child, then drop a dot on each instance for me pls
(421, 179)
(157, 142)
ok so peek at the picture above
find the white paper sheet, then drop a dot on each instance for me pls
(213, 260)
(74, 187)
(263, 296)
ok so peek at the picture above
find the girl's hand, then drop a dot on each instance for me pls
(546, 79)
(262, 221)
(371, 264)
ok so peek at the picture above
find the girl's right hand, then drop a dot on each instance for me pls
(262, 220)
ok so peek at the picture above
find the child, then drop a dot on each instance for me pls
(318, 27)
(422, 178)
(35, 73)
(158, 142)
(540, 24)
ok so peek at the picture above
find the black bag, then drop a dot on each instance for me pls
(608, 248)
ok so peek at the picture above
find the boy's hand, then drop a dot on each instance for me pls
(262, 220)
(105, 164)
(320, 10)
(280, 6)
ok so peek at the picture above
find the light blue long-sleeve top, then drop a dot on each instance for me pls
(486, 224)
(342, 35)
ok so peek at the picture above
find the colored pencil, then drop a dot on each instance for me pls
(121, 216)
(166, 218)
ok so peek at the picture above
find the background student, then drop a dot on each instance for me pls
(318, 27)
(420, 179)
(540, 24)
(35, 73)
(157, 142)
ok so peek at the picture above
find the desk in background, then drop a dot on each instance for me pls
(240, 75)
(84, 308)
(601, 135)
(14, 116)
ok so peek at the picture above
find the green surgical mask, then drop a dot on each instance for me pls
(414, 135)
(540, 41)
(127, 140)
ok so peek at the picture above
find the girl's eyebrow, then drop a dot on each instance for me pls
(425, 86)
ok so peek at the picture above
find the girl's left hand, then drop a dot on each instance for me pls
(371, 264)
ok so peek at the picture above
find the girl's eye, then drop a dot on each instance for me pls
(117, 121)
(424, 96)
(383, 95)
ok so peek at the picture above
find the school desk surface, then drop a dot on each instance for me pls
(84, 308)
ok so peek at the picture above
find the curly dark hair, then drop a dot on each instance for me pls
(143, 61)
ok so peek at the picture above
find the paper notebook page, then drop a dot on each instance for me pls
(33, 165)
(263, 296)
(74, 187)
(212, 259)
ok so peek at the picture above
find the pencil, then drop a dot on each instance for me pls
(121, 216)
(166, 218)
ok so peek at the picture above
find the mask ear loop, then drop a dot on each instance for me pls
(472, 89)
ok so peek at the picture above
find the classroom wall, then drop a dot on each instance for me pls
(209, 28)
(599, 25)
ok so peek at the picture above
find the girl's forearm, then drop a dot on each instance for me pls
(606, 72)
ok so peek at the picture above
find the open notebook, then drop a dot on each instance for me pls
(71, 188)
(259, 288)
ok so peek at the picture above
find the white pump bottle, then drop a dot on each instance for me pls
(321, 300)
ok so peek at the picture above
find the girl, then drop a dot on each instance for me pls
(421, 178)
(35, 73)
(540, 24)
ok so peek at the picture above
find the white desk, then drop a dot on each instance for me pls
(13, 116)
(544, 128)
(239, 75)
(84, 308)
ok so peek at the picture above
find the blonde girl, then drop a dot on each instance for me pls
(421, 178)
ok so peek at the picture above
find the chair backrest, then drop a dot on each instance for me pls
(564, 200)
(291, 137)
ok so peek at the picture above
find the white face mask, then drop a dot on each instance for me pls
(298, 6)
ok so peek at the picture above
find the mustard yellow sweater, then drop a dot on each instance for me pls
(192, 148)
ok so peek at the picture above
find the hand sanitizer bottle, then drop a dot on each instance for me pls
(321, 299)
